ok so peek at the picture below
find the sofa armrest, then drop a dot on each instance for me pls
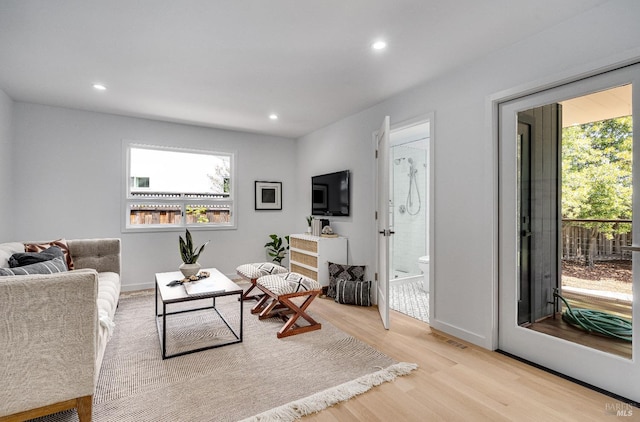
(102, 255)
(47, 339)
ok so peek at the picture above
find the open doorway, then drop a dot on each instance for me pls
(409, 220)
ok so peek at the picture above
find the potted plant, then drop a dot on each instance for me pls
(276, 250)
(190, 255)
(309, 221)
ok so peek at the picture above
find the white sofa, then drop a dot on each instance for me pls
(54, 330)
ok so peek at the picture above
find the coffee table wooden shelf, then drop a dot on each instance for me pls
(168, 295)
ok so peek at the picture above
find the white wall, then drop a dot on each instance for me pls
(68, 183)
(6, 166)
(465, 254)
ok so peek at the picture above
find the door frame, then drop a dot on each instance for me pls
(492, 125)
(609, 372)
(419, 119)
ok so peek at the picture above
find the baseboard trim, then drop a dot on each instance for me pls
(134, 287)
(460, 333)
(574, 380)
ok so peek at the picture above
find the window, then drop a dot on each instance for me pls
(171, 188)
(140, 182)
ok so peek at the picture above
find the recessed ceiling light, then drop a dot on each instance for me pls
(273, 116)
(379, 45)
(99, 87)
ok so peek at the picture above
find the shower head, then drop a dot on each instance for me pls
(410, 160)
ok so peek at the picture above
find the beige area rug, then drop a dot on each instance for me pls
(262, 378)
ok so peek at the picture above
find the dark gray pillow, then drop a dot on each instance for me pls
(56, 265)
(27, 258)
(343, 272)
(350, 292)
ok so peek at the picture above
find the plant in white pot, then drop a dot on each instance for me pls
(190, 255)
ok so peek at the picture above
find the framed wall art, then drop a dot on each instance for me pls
(268, 195)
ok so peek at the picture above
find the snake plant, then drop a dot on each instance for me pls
(188, 253)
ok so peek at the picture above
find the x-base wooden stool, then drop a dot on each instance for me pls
(279, 291)
(251, 272)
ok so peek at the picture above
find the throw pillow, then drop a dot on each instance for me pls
(56, 265)
(61, 243)
(28, 258)
(352, 292)
(344, 272)
(8, 249)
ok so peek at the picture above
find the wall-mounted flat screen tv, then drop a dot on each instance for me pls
(330, 194)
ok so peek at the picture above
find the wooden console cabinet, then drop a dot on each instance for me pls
(309, 255)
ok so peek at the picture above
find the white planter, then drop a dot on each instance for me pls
(189, 269)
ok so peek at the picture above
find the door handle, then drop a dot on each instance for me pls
(386, 232)
(525, 233)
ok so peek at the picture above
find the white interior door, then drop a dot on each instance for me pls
(382, 185)
(544, 221)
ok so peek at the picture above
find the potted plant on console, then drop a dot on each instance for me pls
(190, 255)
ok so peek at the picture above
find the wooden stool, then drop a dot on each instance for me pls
(279, 290)
(251, 272)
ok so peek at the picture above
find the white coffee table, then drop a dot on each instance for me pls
(168, 295)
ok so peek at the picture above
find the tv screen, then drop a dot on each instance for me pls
(330, 194)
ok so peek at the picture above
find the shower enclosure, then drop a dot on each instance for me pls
(408, 210)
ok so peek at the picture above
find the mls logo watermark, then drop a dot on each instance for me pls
(618, 409)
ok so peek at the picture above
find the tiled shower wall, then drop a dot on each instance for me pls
(410, 239)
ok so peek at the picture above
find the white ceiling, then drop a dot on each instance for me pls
(602, 105)
(231, 63)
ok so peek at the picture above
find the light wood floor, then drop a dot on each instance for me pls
(455, 381)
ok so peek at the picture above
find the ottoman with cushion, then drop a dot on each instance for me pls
(279, 292)
(251, 272)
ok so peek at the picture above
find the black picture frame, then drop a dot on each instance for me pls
(268, 195)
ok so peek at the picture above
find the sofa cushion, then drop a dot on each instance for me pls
(108, 294)
(27, 258)
(41, 246)
(56, 265)
(8, 249)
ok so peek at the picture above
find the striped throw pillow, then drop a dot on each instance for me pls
(350, 292)
(56, 265)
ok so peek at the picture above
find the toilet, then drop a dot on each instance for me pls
(423, 264)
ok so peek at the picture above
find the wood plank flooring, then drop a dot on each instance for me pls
(455, 381)
(557, 327)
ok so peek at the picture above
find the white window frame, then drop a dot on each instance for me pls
(181, 200)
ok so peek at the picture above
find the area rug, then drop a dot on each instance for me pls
(407, 296)
(261, 379)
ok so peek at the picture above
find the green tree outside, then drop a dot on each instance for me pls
(596, 176)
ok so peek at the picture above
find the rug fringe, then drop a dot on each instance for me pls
(327, 398)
